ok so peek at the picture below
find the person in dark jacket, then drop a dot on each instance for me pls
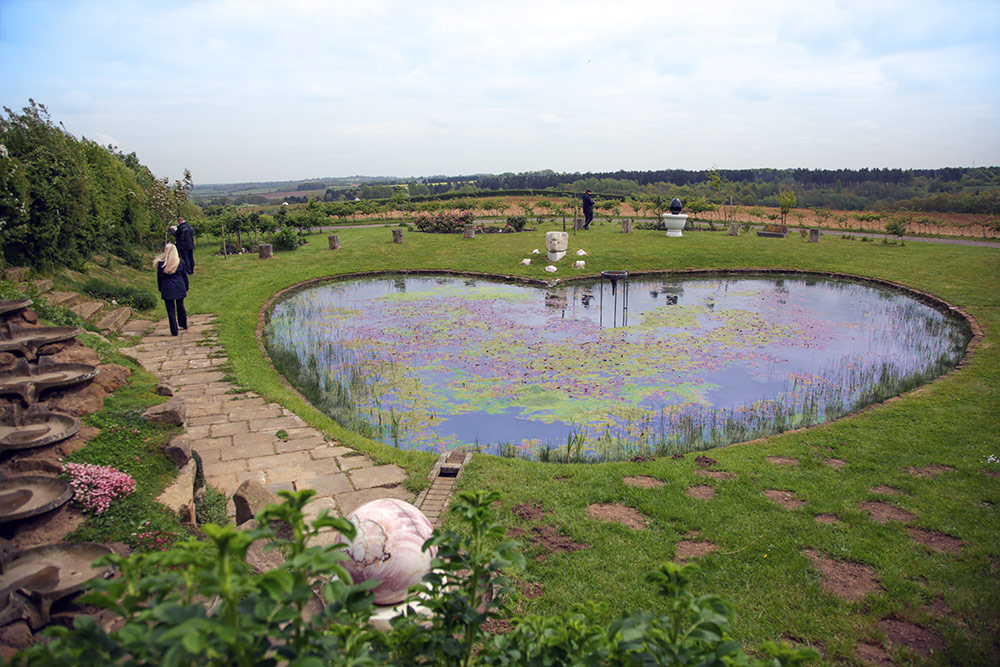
(184, 235)
(588, 209)
(172, 279)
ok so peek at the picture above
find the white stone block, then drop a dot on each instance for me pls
(579, 264)
(551, 269)
(526, 261)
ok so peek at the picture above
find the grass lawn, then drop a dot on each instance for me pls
(766, 559)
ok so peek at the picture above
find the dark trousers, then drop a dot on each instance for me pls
(588, 218)
(187, 254)
(176, 314)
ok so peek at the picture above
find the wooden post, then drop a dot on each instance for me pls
(397, 236)
(627, 226)
(734, 229)
(334, 242)
(813, 236)
(266, 251)
(470, 231)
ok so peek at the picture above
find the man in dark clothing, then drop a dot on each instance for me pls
(184, 235)
(588, 209)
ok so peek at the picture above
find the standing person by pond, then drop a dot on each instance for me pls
(172, 279)
(184, 235)
(588, 209)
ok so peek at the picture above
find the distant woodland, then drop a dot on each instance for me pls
(64, 200)
(945, 190)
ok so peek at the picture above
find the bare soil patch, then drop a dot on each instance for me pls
(497, 626)
(849, 581)
(529, 512)
(687, 549)
(618, 513)
(883, 512)
(937, 608)
(552, 541)
(992, 473)
(706, 461)
(911, 636)
(873, 654)
(835, 463)
(928, 472)
(884, 490)
(786, 499)
(717, 474)
(702, 492)
(643, 482)
(782, 461)
(940, 542)
(828, 518)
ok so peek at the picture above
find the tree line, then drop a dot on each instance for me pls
(64, 199)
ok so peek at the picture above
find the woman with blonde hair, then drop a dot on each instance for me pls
(172, 279)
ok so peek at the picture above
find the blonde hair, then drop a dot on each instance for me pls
(168, 258)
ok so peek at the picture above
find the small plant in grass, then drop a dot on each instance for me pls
(150, 538)
(95, 487)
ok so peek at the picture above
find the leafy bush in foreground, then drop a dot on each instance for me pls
(184, 607)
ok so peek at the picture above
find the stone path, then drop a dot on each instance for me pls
(236, 434)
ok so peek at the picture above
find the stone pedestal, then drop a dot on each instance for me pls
(266, 251)
(556, 243)
(334, 241)
(734, 229)
(627, 226)
(674, 222)
(397, 236)
(813, 236)
(469, 231)
(578, 223)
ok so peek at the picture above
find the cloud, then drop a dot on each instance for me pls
(255, 90)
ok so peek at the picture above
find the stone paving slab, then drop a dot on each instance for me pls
(235, 434)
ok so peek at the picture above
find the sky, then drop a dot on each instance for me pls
(253, 90)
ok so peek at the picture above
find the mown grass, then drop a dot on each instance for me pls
(759, 563)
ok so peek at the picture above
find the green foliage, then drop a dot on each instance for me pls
(443, 223)
(786, 202)
(897, 227)
(286, 239)
(195, 605)
(62, 199)
(125, 295)
(517, 222)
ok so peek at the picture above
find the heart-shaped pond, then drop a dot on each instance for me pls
(437, 362)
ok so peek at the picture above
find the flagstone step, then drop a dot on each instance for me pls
(44, 285)
(65, 299)
(87, 309)
(115, 320)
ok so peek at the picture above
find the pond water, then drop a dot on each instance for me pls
(565, 373)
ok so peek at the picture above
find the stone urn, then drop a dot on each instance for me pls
(675, 220)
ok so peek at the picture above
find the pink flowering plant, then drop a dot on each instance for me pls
(96, 486)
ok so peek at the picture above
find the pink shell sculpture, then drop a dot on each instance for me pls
(387, 547)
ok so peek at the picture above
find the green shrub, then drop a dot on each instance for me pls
(517, 222)
(192, 605)
(124, 295)
(286, 239)
(443, 223)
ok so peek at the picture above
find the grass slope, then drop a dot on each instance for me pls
(759, 562)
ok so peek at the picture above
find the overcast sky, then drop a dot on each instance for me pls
(248, 90)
